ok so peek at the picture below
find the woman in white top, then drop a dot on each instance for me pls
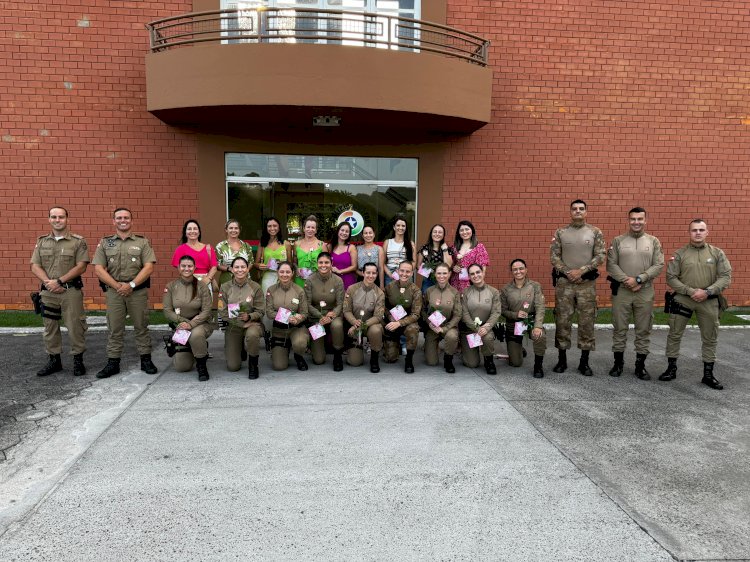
(396, 250)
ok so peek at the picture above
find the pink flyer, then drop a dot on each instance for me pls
(181, 336)
(436, 318)
(474, 340)
(397, 312)
(317, 331)
(283, 315)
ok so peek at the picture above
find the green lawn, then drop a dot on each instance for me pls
(26, 319)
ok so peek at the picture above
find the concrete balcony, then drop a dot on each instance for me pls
(284, 67)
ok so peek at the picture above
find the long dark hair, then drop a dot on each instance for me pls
(195, 279)
(458, 240)
(184, 231)
(335, 237)
(265, 238)
(429, 236)
(407, 236)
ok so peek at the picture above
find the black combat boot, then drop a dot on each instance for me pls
(111, 368)
(448, 363)
(538, 369)
(54, 365)
(671, 373)
(708, 377)
(252, 367)
(243, 355)
(148, 366)
(200, 365)
(338, 360)
(640, 367)
(79, 369)
(583, 365)
(374, 365)
(616, 369)
(301, 363)
(489, 365)
(562, 361)
(409, 361)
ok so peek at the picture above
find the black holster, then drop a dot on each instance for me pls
(614, 285)
(36, 299)
(591, 275)
(671, 306)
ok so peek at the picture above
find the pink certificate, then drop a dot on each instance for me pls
(273, 264)
(397, 312)
(519, 328)
(425, 271)
(436, 318)
(181, 336)
(317, 331)
(282, 316)
(233, 309)
(464, 275)
(474, 340)
(305, 272)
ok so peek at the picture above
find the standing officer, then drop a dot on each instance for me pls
(58, 261)
(634, 260)
(123, 263)
(698, 273)
(405, 293)
(576, 253)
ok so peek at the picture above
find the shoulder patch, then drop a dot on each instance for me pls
(77, 236)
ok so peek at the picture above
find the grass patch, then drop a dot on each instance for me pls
(27, 319)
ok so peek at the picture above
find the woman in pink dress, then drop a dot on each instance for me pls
(204, 255)
(468, 252)
(344, 255)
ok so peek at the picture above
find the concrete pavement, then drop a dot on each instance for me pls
(392, 466)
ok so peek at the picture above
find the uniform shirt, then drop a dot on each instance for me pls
(635, 255)
(704, 267)
(482, 303)
(370, 300)
(512, 299)
(57, 257)
(447, 301)
(124, 258)
(249, 293)
(292, 298)
(408, 295)
(181, 306)
(328, 290)
(577, 246)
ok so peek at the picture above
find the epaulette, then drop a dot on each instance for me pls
(43, 236)
(134, 235)
(77, 236)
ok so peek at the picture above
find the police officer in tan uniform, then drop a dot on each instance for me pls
(58, 261)
(324, 292)
(576, 253)
(405, 293)
(290, 296)
(364, 307)
(634, 260)
(443, 298)
(123, 263)
(480, 311)
(699, 273)
(244, 328)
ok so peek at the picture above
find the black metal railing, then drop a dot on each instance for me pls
(309, 25)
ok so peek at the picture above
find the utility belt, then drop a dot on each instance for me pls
(671, 306)
(281, 342)
(76, 283)
(145, 285)
(590, 275)
(51, 312)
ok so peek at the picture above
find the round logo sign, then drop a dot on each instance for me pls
(354, 219)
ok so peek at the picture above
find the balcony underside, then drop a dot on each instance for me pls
(285, 85)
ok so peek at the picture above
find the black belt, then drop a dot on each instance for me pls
(75, 283)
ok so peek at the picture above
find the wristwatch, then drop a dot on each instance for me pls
(638, 280)
(132, 284)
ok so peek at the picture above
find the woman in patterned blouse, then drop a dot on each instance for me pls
(434, 252)
(231, 248)
(467, 252)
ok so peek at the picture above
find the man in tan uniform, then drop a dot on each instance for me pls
(576, 253)
(698, 273)
(405, 293)
(58, 261)
(123, 263)
(634, 260)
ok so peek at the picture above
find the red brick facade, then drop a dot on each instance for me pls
(620, 103)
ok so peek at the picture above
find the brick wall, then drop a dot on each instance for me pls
(621, 103)
(74, 131)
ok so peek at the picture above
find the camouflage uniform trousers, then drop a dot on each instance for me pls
(708, 323)
(641, 304)
(569, 298)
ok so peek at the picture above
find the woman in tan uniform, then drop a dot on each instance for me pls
(242, 307)
(289, 324)
(480, 305)
(442, 298)
(522, 303)
(324, 292)
(187, 303)
(364, 307)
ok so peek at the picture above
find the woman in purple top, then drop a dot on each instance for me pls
(344, 255)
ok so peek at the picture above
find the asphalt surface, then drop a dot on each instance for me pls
(351, 465)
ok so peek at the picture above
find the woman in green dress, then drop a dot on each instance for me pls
(232, 247)
(307, 249)
(272, 250)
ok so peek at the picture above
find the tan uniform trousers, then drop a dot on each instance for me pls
(356, 356)
(515, 346)
(136, 305)
(71, 304)
(183, 360)
(470, 356)
(299, 338)
(392, 344)
(234, 340)
(708, 322)
(431, 339)
(641, 305)
(318, 347)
